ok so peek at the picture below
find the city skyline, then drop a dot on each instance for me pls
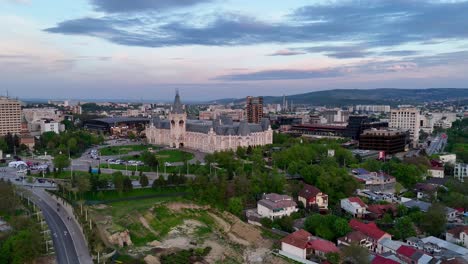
(212, 49)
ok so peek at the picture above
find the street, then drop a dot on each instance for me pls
(69, 243)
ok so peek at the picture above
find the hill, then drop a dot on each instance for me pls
(389, 96)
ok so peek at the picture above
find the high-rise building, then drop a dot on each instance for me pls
(407, 118)
(254, 109)
(10, 116)
(389, 140)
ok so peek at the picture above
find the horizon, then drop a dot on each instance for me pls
(170, 100)
(210, 49)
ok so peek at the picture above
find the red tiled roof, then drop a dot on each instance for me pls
(381, 208)
(406, 251)
(357, 200)
(322, 245)
(370, 229)
(298, 239)
(381, 260)
(457, 230)
(309, 191)
(353, 237)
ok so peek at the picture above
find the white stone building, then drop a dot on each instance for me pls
(461, 171)
(407, 119)
(275, 206)
(354, 206)
(206, 136)
(458, 235)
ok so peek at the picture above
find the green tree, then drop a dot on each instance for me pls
(118, 180)
(60, 162)
(83, 184)
(127, 184)
(404, 228)
(236, 206)
(434, 220)
(355, 254)
(144, 180)
(333, 258)
(149, 159)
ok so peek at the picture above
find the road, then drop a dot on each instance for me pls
(69, 243)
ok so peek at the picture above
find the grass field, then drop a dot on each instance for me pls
(122, 150)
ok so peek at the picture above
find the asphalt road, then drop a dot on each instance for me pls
(64, 234)
(63, 243)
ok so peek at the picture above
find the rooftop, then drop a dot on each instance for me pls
(370, 229)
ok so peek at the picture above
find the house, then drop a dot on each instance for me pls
(382, 260)
(355, 237)
(411, 255)
(424, 207)
(355, 206)
(387, 245)
(303, 245)
(275, 206)
(438, 248)
(458, 235)
(373, 234)
(425, 190)
(296, 243)
(436, 172)
(377, 211)
(311, 196)
(375, 181)
(448, 158)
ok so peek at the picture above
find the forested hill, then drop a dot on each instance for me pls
(389, 96)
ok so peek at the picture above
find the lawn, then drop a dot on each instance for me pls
(122, 150)
(173, 156)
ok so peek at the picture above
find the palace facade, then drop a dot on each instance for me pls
(206, 136)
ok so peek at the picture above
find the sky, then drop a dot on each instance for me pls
(211, 49)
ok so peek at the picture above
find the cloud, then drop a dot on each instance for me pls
(287, 52)
(124, 6)
(373, 22)
(282, 74)
(375, 67)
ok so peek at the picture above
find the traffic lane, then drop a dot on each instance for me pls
(63, 243)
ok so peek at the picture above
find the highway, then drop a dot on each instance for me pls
(69, 244)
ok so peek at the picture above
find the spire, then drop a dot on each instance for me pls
(177, 107)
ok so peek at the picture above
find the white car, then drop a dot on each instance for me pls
(16, 164)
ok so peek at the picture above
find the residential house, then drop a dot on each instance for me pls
(388, 245)
(375, 181)
(355, 206)
(411, 255)
(436, 172)
(378, 211)
(378, 259)
(275, 206)
(311, 196)
(303, 245)
(425, 190)
(438, 248)
(424, 207)
(372, 232)
(355, 237)
(458, 235)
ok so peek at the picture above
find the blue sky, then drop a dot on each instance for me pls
(212, 49)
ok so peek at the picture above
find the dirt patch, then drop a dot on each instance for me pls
(225, 226)
(247, 232)
(151, 260)
(178, 207)
(145, 223)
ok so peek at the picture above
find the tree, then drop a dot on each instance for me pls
(83, 184)
(355, 254)
(144, 180)
(434, 220)
(333, 258)
(3, 145)
(127, 184)
(235, 206)
(60, 162)
(118, 180)
(90, 170)
(149, 159)
(404, 228)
